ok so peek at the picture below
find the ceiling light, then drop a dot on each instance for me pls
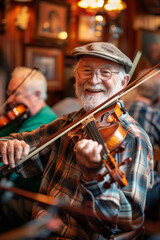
(91, 4)
(115, 5)
(23, 1)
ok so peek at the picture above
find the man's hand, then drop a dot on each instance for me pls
(89, 158)
(12, 151)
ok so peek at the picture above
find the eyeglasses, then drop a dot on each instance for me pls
(14, 92)
(86, 72)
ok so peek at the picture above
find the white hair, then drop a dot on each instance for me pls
(122, 73)
(35, 82)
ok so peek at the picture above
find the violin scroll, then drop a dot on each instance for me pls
(116, 174)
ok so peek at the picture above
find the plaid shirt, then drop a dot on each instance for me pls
(114, 208)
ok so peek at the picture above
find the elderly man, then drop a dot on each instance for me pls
(32, 92)
(71, 166)
(27, 87)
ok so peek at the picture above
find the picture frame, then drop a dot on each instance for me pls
(50, 61)
(52, 20)
(89, 30)
(149, 43)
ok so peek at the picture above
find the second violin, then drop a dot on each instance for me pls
(10, 121)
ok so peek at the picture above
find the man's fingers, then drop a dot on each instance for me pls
(4, 153)
(88, 153)
(96, 153)
(26, 149)
(18, 151)
(89, 148)
(21, 149)
(11, 154)
(12, 151)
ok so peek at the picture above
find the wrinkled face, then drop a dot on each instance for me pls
(97, 79)
(22, 95)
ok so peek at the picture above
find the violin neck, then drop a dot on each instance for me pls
(94, 134)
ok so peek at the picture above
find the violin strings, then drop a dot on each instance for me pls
(94, 134)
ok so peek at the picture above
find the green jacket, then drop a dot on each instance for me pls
(44, 116)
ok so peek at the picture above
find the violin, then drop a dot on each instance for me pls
(12, 114)
(108, 124)
(110, 163)
(106, 129)
(13, 118)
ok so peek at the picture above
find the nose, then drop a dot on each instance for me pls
(94, 80)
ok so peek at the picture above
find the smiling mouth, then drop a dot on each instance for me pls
(94, 90)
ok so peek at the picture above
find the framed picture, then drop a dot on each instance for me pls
(149, 44)
(49, 61)
(89, 30)
(52, 20)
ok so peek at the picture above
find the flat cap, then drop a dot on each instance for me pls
(104, 50)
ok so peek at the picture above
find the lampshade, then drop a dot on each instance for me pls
(112, 7)
(115, 5)
(91, 4)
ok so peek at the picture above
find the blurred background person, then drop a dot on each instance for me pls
(153, 53)
(33, 94)
(144, 111)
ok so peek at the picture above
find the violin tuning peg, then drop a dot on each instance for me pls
(100, 177)
(120, 148)
(126, 161)
(106, 185)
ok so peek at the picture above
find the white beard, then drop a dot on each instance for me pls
(89, 102)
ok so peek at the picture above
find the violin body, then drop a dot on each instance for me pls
(10, 122)
(109, 127)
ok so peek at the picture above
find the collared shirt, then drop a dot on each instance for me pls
(115, 208)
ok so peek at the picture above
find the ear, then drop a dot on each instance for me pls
(125, 81)
(38, 93)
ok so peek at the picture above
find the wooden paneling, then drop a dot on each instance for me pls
(14, 39)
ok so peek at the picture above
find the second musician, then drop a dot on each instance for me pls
(32, 93)
(71, 176)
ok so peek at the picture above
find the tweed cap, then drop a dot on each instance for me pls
(104, 50)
